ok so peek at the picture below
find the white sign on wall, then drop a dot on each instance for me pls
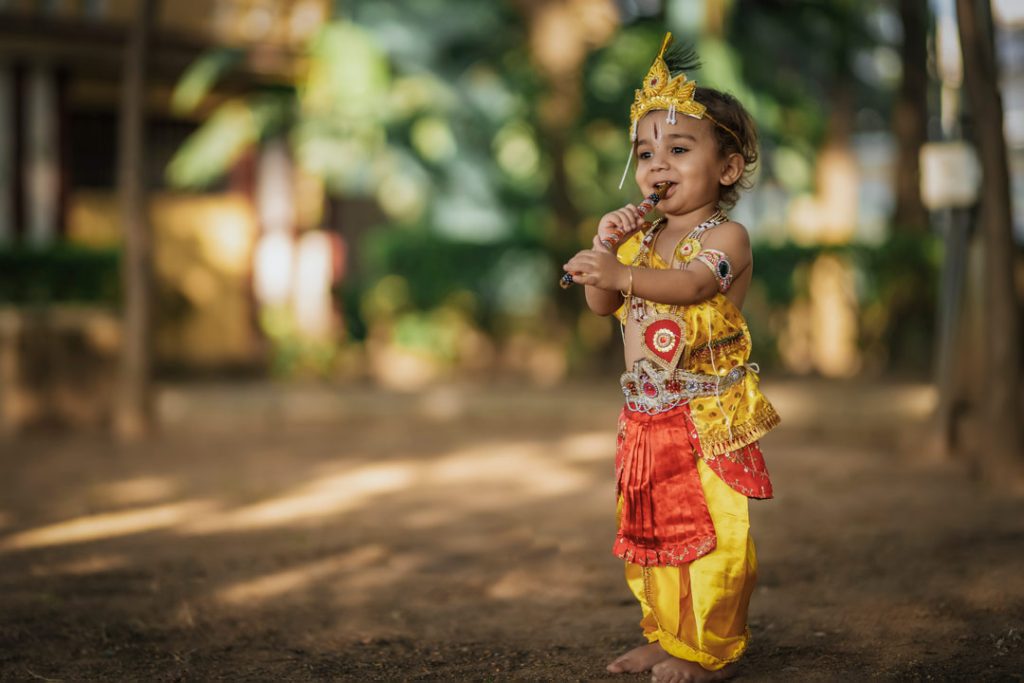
(950, 175)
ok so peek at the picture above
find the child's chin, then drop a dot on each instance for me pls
(672, 204)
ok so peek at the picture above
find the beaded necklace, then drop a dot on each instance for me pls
(687, 247)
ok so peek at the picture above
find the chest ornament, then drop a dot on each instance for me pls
(663, 339)
(688, 249)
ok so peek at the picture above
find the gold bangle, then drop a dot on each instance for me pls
(629, 292)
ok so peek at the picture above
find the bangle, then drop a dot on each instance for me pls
(629, 292)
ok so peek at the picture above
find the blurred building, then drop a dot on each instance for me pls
(60, 73)
(61, 66)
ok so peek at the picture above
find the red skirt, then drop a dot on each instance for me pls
(664, 518)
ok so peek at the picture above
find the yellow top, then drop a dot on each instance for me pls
(716, 340)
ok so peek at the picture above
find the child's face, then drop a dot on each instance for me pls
(684, 154)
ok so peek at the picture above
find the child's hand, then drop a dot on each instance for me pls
(598, 269)
(615, 225)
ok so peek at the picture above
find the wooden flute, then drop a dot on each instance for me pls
(649, 202)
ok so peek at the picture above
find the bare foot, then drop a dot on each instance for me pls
(673, 670)
(639, 659)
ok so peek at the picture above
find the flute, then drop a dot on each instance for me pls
(649, 202)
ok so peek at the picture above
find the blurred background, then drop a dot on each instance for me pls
(384, 191)
(225, 219)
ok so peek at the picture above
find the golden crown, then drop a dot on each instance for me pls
(662, 92)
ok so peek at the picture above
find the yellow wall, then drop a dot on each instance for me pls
(203, 250)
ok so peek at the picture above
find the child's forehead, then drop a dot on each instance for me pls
(654, 124)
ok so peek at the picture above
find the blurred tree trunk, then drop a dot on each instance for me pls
(910, 218)
(133, 407)
(910, 118)
(562, 33)
(715, 13)
(1001, 349)
(837, 176)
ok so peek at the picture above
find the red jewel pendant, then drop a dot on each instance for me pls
(663, 340)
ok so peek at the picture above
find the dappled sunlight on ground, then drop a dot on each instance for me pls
(87, 564)
(107, 525)
(524, 583)
(489, 475)
(137, 491)
(379, 538)
(495, 472)
(277, 584)
(586, 446)
(325, 496)
(801, 404)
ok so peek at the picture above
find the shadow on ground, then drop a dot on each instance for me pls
(312, 534)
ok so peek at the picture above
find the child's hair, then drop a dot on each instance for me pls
(727, 111)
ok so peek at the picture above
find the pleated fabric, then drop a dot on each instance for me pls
(664, 519)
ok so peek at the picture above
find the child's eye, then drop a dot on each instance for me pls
(644, 155)
(678, 150)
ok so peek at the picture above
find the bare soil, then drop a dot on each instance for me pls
(312, 533)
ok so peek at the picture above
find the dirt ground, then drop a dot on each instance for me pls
(311, 533)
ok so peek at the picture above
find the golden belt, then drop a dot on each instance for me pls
(649, 389)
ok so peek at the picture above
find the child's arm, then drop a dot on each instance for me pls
(691, 285)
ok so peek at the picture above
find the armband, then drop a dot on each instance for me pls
(720, 267)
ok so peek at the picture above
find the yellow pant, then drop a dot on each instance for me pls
(698, 612)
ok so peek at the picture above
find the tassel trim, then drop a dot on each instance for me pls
(742, 434)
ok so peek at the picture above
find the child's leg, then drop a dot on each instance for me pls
(698, 612)
(641, 658)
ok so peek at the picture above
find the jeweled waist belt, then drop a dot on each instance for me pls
(649, 389)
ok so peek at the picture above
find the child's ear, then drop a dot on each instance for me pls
(732, 169)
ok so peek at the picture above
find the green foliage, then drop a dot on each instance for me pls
(896, 268)
(343, 106)
(59, 274)
(293, 355)
(897, 290)
(776, 266)
(432, 109)
(795, 55)
(429, 332)
(200, 78)
(417, 270)
(233, 129)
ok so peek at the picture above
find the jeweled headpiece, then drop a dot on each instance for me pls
(661, 91)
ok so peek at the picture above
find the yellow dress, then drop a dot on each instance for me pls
(716, 340)
(698, 611)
